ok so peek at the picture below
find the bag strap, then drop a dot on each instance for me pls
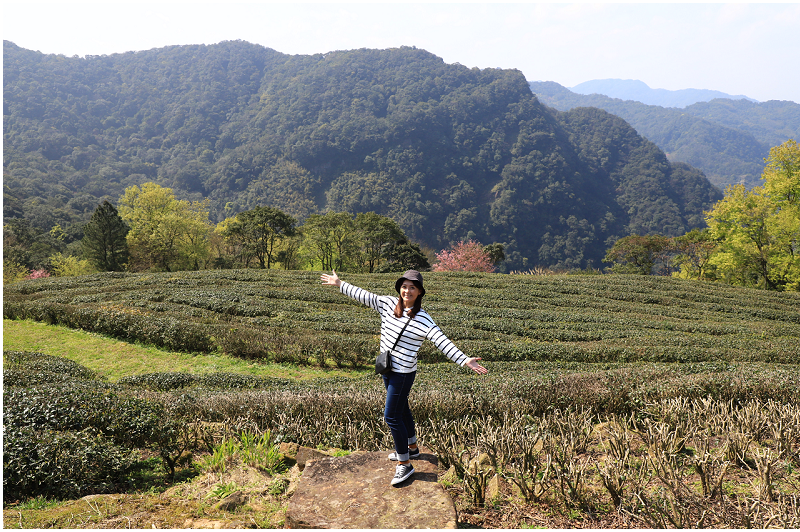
(396, 340)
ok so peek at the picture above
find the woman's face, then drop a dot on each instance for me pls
(409, 293)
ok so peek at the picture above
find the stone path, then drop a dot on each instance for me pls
(354, 492)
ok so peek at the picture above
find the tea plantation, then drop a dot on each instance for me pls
(612, 401)
(286, 316)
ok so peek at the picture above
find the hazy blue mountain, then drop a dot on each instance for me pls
(639, 91)
(727, 139)
(771, 122)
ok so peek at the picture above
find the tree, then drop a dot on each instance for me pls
(70, 266)
(13, 271)
(639, 254)
(166, 233)
(260, 229)
(376, 233)
(104, 240)
(464, 257)
(694, 250)
(759, 230)
(403, 255)
(332, 240)
(496, 252)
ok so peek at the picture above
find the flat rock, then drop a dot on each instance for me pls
(354, 492)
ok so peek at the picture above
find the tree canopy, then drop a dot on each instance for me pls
(758, 230)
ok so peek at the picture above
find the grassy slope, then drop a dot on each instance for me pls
(114, 359)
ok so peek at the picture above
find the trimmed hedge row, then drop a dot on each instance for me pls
(74, 434)
(286, 316)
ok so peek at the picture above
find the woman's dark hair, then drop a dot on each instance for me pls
(400, 307)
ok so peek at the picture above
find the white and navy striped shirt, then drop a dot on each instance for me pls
(404, 356)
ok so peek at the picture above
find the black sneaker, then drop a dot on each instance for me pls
(402, 472)
(412, 453)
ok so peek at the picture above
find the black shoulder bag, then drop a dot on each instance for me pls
(383, 362)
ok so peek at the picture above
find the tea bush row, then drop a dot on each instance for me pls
(117, 321)
(500, 317)
(23, 368)
(444, 392)
(75, 435)
(62, 464)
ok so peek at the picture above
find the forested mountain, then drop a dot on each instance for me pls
(639, 91)
(727, 139)
(447, 151)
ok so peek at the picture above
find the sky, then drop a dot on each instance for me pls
(749, 49)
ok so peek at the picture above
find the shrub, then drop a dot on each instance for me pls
(13, 272)
(23, 368)
(61, 464)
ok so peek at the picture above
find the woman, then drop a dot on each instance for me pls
(403, 315)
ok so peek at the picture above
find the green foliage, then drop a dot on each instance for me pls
(165, 233)
(24, 368)
(67, 434)
(13, 272)
(759, 230)
(255, 450)
(65, 266)
(694, 249)
(639, 255)
(104, 239)
(63, 464)
(259, 230)
(449, 153)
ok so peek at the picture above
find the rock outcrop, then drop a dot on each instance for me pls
(354, 492)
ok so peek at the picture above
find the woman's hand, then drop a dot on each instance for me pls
(331, 279)
(472, 363)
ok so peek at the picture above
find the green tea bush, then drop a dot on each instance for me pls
(91, 428)
(286, 316)
(62, 464)
(159, 381)
(76, 406)
(24, 368)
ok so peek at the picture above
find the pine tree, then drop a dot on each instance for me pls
(104, 243)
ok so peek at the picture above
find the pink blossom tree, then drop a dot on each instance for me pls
(38, 274)
(464, 257)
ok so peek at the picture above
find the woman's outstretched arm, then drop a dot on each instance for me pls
(472, 363)
(332, 279)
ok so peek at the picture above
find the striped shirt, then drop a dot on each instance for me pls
(421, 327)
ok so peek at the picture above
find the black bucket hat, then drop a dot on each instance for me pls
(413, 276)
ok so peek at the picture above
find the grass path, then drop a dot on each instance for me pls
(114, 359)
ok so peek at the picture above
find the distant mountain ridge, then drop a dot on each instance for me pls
(727, 139)
(639, 91)
(448, 152)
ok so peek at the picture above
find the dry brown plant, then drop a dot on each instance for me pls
(766, 460)
(618, 472)
(709, 465)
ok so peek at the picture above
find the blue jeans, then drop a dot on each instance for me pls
(397, 412)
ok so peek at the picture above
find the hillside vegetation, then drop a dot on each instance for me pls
(727, 139)
(448, 152)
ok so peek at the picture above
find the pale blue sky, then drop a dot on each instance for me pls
(739, 48)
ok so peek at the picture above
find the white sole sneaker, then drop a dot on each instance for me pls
(402, 472)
